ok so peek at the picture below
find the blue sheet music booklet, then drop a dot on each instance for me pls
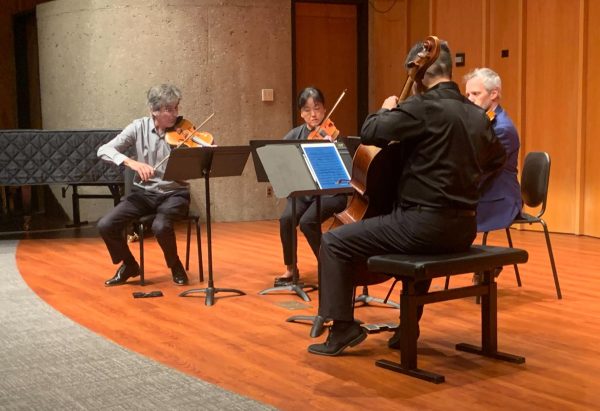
(326, 165)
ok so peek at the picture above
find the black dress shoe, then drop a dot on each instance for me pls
(282, 281)
(339, 339)
(179, 275)
(394, 341)
(124, 272)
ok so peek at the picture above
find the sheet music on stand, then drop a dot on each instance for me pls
(325, 165)
(287, 169)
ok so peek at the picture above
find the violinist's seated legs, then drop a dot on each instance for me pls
(310, 225)
(168, 208)
(286, 232)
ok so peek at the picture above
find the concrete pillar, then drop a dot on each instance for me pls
(99, 57)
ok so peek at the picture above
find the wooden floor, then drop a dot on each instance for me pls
(245, 345)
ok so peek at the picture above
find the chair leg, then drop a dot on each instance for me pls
(510, 244)
(199, 247)
(187, 246)
(141, 231)
(551, 255)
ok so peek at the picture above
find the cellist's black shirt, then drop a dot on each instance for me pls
(447, 144)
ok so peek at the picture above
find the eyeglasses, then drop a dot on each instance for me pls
(307, 109)
(172, 109)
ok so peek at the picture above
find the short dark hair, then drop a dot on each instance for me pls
(309, 92)
(442, 66)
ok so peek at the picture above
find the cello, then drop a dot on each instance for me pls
(372, 166)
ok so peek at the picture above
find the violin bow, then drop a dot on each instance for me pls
(333, 108)
(194, 129)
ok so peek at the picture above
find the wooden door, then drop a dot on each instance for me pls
(326, 48)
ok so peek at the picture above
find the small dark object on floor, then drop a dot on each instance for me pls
(141, 294)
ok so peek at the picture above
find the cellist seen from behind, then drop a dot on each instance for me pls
(447, 145)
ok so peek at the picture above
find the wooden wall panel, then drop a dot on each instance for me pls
(389, 46)
(504, 34)
(8, 97)
(461, 24)
(551, 100)
(591, 147)
(326, 57)
(419, 20)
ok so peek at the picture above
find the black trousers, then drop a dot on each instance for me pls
(306, 218)
(168, 207)
(346, 249)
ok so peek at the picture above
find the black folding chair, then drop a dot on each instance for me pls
(535, 180)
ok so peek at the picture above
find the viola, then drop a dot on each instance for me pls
(185, 133)
(327, 128)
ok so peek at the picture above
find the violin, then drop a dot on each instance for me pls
(327, 128)
(324, 130)
(185, 133)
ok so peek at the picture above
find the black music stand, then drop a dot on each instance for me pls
(207, 162)
(290, 177)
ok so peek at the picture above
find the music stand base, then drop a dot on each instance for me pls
(210, 293)
(296, 288)
(318, 323)
(366, 299)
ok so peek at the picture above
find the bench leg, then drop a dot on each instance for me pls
(417, 373)
(489, 326)
(408, 339)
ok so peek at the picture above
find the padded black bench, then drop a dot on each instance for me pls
(410, 269)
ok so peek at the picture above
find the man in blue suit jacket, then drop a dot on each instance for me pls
(500, 200)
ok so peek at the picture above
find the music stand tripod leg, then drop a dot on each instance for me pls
(318, 323)
(366, 299)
